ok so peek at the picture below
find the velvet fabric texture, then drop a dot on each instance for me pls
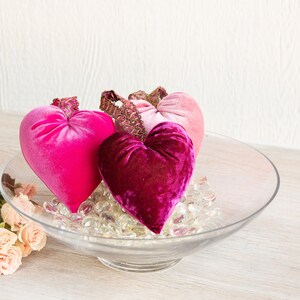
(177, 107)
(148, 178)
(62, 150)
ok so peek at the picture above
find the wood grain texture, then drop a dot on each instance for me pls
(239, 59)
(259, 262)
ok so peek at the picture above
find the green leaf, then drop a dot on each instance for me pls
(2, 225)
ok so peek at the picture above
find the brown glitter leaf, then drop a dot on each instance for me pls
(154, 97)
(126, 115)
(68, 105)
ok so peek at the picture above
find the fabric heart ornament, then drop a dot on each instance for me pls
(177, 107)
(147, 178)
(60, 144)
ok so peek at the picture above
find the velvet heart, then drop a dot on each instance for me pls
(177, 107)
(148, 178)
(61, 145)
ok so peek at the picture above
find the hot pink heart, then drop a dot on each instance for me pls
(148, 178)
(61, 144)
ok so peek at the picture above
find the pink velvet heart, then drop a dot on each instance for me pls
(61, 145)
(148, 178)
(177, 107)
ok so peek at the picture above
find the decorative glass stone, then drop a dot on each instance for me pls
(76, 218)
(55, 201)
(61, 222)
(97, 197)
(179, 231)
(86, 207)
(91, 221)
(63, 210)
(50, 208)
(102, 206)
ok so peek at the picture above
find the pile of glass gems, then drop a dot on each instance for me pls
(101, 215)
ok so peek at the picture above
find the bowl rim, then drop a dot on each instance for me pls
(159, 238)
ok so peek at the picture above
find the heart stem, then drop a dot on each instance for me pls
(68, 105)
(154, 97)
(127, 116)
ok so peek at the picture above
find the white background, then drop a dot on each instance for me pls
(239, 59)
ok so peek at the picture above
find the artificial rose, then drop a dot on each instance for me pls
(32, 235)
(10, 260)
(25, 189)
(7, 239)
(23, 203)
(11, 217)
(26, 249)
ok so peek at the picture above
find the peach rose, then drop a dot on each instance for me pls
(7, 238)
(25, 189)
(11, 217)
(10, 260)
(32, 235)
(26, 249)
(23, 203)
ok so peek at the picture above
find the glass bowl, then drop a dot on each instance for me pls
(244, 180)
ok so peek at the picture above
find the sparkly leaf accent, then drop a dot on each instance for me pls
(126, 115)
(154, 97)
(68, 105)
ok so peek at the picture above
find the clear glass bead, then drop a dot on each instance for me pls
(55, 201)
(102, 206)
(50, 208)
(208, 195)
(97, 197)
(76, 218)
(179, 231)
(103, 190)
(91, 221)
(107, 217)
(63, 210)
(61, 222)
(86, 207)
(202, 187)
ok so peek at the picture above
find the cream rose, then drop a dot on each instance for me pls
(10, 260)
(11, 217)
(26, 249)
(23, 203)
(7, 238)
(32, 235)
(25, 189)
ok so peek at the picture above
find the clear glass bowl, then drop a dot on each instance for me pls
(244, 180)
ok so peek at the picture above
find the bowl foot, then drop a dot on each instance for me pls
(138, 268)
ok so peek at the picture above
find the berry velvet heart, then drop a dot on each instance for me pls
(61, 145)
(176, 107)
(148, 178)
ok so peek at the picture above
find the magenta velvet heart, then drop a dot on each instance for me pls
(148, 178)
(61, 147)
(177, 107)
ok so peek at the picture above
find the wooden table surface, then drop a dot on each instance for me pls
(261, 261)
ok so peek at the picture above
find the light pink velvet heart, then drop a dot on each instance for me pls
(62, 150)
(177, 107)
